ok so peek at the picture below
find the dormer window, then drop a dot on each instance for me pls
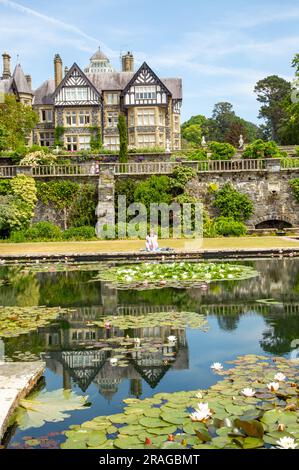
(76, 94)
(146, 92)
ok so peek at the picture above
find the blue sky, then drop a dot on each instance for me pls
(219, 48)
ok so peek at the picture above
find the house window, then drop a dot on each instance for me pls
(161, 118)
(112, 98)
(84, 142)
(71, 143)
(176, 123)
(145, 92)
(84, 118)
(71, 118)
(146, 140)
(46, 139)
(46, 115)
(161, 140)
(112, 119)
(146, 117)
(176, 144)
(132, 119)
(76, 94)
(112, 143)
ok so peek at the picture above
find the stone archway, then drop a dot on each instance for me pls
(278, 222)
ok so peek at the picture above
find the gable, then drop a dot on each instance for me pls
(145, 88)
(76, 89)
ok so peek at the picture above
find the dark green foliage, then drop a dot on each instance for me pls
(60, 193)
(180, 177)
(21, 151)
(37, 232)
(231, 203)
(155, 189)
(79, 233)
(58, 134)
(5, 187)
(272, 92)
(262, 149)
(96, 139)
(76, 201)
(43, 230)
(221, 151)
(229, 227)
(295, 188)
(123, 138)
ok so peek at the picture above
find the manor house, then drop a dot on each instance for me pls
(80, 103)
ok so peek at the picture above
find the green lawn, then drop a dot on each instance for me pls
(86, 247)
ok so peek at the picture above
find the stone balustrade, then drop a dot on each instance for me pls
(149, 168)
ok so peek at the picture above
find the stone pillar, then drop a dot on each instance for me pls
(105, 210)
(6, 66)
(57, 70)
(127, 62)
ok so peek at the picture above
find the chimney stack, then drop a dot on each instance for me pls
(6, 66)
(29, 81)
(127, 62)
(57, 70)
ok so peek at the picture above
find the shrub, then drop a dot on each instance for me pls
(24, 191)
(79, 233)
(297, 151)
(43, 230)
(231, 203)
(155, 189)
(198, 155)
(123, 138)
(221, 150)
(21, 151)
(261, 149)
(228, 226)
(295, 188)
(38, 158)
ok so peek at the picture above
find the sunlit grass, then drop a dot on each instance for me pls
(122, 246)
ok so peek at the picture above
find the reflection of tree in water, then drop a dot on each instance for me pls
(282, 331)
(21, 289)
(228, 323)
(68, 289)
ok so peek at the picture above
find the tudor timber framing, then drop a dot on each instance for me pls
(76, 78)
(145, 76)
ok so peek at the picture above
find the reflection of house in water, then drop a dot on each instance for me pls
(74, 351)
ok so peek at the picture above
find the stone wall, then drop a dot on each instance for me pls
(270, 192)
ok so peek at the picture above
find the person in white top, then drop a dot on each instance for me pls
(151, 243)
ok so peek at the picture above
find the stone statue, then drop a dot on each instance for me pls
(203, 141)
(168, 146)
(241, 142)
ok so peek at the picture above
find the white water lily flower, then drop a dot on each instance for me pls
(273, 386)
(286, 443)
(113, 361)
(202, 412)
(280, 377)
(137, 342)
(248, 392)
(217, 366)
(172, 339)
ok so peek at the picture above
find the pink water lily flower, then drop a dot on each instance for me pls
(280, 377)
(248, 392)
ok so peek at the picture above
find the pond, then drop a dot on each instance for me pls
(258, 315)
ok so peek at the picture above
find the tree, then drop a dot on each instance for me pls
(224, 115)
(295, 64)
(236, 129)
(272, 92)
(193, 134)
(16, 121)
(123, 138)
(3, 137)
